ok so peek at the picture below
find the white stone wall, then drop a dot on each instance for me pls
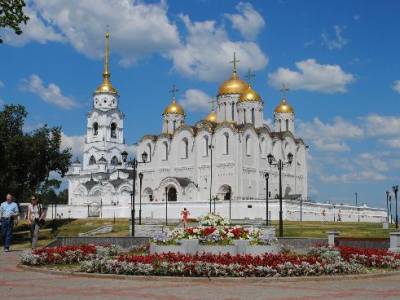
(292, 210)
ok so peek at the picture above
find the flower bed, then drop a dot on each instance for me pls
(214, 230)
(319, 261)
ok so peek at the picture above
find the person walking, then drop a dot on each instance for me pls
(8, 213)
(185, 216)
(36, 217)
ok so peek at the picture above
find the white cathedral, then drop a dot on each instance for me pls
(222, 160)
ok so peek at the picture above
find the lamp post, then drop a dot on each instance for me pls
(211, 147)
(395, 190)
(140, 197)
(266, 199)
(387, 206)
(134, 163)
(280, 164)
(166, 206)
(390, 209)
(358, 211)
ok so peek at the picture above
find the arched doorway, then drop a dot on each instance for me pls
(172, 194)
(225, 192)
(148, 194)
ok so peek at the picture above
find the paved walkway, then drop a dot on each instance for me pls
(18, 284)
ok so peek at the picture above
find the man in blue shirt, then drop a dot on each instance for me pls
(8, 212)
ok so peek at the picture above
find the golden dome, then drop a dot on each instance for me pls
(174, 108)
(106, 86)
(212, 117)
(249, 95)
(284, 107)
(233, 85)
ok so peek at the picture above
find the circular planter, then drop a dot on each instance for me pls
(262, 249)
(159, 249)
(217, 249)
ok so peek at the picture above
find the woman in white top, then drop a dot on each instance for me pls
(36, 217)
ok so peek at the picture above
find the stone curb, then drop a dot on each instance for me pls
(208, 279)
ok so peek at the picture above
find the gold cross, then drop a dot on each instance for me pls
(234, 61)
(173, 91)
(212, 102)
(284, 90)
(250, 75)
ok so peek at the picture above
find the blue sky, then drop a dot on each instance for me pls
(339, 58)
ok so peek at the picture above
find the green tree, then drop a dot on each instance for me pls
(28, 159)
(12, 15)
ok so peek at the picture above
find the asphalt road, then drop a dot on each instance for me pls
(19, 284)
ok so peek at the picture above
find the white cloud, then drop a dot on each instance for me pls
(35, 30)
(207, 49)
(196, 100)
(356, 176)
(248, 22)
(396, 86)
(379, 125)
(330, 136)
(314, 77)
(137, 28)
(338, 42)
(51, 94)
(74, 142)
(391, 142)
(356, 17)
(1, 84)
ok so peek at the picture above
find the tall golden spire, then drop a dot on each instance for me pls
(234, 62)
(106, 86)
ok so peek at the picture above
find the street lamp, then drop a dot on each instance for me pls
(387, 206)
(140, 197)
(134, 163)
(280, 164)
(390, 209)
(395, 190)
(211, 147)
(166, 206)
(266, 198)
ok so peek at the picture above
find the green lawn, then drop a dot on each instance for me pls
(120, 228)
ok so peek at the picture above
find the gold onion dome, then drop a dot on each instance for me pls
(174, 108)
(284, 107)
(106, 86)
(211, 117)
(233, 85)
(250, 95)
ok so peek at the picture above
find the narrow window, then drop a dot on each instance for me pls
(95, 128)
(165, 151)
(113, 130)
(233, 111)
(92, 160)
(244, 116)
(114, 161)
(205, 145)
(248, 146)
(185, 148)
(287, 125)
(149, 151)
(226, 143)
(253, 117)
(174, 125)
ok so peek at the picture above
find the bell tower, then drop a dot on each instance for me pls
(104, 132)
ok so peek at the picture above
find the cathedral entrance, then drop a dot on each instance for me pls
(172, 194)
(225, 192)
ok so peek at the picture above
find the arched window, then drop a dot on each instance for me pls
(248, 145)
(226, 143)
(287, 125)
(205, 145)
(95, 128)
(185, 148)
(92, 160)
(262, 147)
(165, 151)
(233, 111)
(113, 130)
(174, 125)
(149, 151)
(253, 117)
(114, 161)
(280, 125)
(225, 111)
(244, 116)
